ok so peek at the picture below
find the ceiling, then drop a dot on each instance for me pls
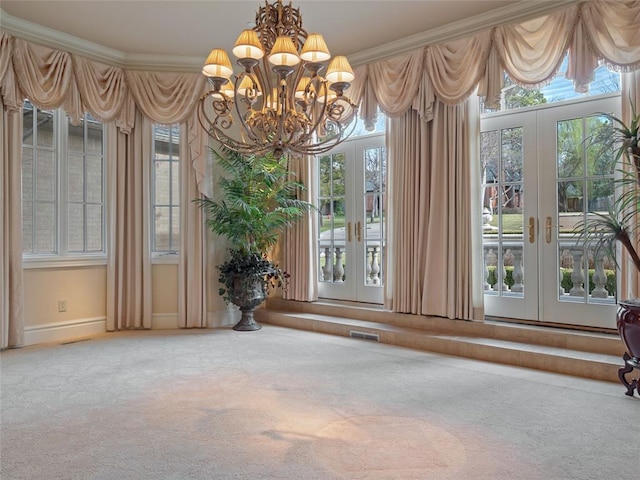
(189, 28)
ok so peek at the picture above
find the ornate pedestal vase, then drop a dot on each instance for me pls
(628, 322)
(248, 293)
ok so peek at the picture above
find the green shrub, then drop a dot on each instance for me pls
(566, 283)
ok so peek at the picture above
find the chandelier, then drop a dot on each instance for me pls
(279, 102)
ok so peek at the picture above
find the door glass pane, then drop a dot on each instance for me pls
(501, 159)
(374, 171)
(585, 189)
(331, 217)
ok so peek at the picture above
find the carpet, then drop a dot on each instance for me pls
(286, 404)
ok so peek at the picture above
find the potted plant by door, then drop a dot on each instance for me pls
(258, 201)
(620, 225)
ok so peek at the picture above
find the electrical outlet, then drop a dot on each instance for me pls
(62, 305)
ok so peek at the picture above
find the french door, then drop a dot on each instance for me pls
(351, 202)
(543, 174)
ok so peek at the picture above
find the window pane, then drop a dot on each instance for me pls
(75, 140)
(45, 228)
(162, 226)
(27, 124)
(94, 228)
(94, 178)
(75, 228)
(94, 138)
(45, 175)
(163, 177)
(175, 228)
(75, 176)
(45, 129)
(175, 184)
(27, 226)
(570, 148)
(27, 174)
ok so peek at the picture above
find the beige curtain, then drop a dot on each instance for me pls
(629, 274)
(11, 291)
(192, 267)
(430, 181)
(299, 254)
(129, 262)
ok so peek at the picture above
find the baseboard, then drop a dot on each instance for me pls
(164, 321)
(64, 331)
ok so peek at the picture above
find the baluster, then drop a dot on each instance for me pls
(561, 290)
(599, 278)
(375, 266)
(368, 266)
(326, 270)
(518, 274)
(487, 286)
(338, 268)
(577, 276)
(505, 255)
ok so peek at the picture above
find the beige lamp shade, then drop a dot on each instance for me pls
(315, 49)
(227, 89)
(302, 85)
(246, 84)
(284, 52)
(248, 45)
(218, 64)
(339, 70)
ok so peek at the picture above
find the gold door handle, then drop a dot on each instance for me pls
(532, 229)
(359, 231)
(348, 231)
(547, 229)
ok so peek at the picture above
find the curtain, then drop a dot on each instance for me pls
(129, 263)
(630, 93)
(299, 253)
(11, 291)
(192, 266)
(430, 180)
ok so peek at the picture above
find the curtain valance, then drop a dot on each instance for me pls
(530, 52)
(52, 78)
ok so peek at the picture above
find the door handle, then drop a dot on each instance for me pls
(359, 231)
(548, 230)
(348, 231)
(532, 229)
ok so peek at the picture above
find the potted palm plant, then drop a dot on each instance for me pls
(258, 202)
(620, 225)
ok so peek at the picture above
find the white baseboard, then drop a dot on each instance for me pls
(64, 331)
(164, 321)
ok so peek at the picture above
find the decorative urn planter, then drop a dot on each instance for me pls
(628, 323)
(248, 292)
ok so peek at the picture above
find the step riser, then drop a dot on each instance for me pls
(606, 345)
(534, 360)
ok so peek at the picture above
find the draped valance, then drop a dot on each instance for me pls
(530, 52)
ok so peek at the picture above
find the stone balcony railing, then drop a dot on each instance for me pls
(571, 258)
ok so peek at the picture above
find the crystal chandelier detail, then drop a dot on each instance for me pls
(279, 102)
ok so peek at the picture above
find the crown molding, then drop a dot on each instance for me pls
(521, 11)
(32, 32)
(53, 38)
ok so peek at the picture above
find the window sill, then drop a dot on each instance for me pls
(165, 259)
(62, 262)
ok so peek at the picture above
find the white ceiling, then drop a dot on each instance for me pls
(192, 28)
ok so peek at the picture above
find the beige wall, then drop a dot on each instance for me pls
(84, 290)
(164, 289)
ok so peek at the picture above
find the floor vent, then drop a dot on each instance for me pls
(364, 336)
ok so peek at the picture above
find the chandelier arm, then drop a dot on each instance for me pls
(243, 122)
(321, 116)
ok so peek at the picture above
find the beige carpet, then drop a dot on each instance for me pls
(286, 404)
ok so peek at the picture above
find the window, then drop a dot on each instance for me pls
(63, 207)
(165, 186)
(558, 90)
